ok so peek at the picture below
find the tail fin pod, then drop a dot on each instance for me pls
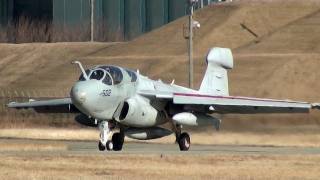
(215, 80)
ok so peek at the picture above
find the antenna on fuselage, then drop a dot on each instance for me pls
(81, 68)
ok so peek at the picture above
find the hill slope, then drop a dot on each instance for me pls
(282, 63)
(161, 50)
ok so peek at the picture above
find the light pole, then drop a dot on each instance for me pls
(92, 21)
(190, 44)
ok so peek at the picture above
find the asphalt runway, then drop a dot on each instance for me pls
(90, 147)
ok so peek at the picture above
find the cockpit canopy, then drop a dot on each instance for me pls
(110, 75)
(132, 75)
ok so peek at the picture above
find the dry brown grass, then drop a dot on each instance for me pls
(24, 61)
(3, 34)
(284, 64)
(26, 30)
(62, 134)
(275, 138)
(117, 166)
(22, 146)
(220, 27)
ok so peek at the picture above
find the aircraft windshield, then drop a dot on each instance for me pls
(132, 75)
(115, 73)
(97, 74)
(109, 75)
(107, 80)
(81, 78)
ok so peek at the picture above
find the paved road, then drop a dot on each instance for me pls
(90, 147)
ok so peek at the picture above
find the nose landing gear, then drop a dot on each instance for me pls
(110, 139)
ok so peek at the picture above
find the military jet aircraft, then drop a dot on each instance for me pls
(125, 103)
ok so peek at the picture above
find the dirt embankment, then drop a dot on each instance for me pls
(282, 62)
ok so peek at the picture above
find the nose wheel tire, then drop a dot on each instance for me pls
(114, 145)
(109, 145)
(101, 146)
(184, 142)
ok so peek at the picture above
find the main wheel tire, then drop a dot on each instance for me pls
(101, 146)
(109, 145)
(184, 142)
(118, 140)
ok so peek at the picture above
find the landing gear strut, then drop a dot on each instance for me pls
(110, 139)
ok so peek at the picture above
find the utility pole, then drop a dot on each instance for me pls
(92, 21)
(192, 24)
(191, 46)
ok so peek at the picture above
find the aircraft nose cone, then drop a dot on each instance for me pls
(79, 93)
(79, 96)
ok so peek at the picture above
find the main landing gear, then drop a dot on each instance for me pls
(110, 138)
(184, 142)
(183, 139)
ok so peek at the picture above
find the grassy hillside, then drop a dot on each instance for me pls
(282, 62)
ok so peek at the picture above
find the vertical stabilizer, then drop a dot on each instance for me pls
(215, 80)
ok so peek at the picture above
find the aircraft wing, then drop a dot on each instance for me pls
(233, 104)
(242, 105)
(45, 106)
(33, 103)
